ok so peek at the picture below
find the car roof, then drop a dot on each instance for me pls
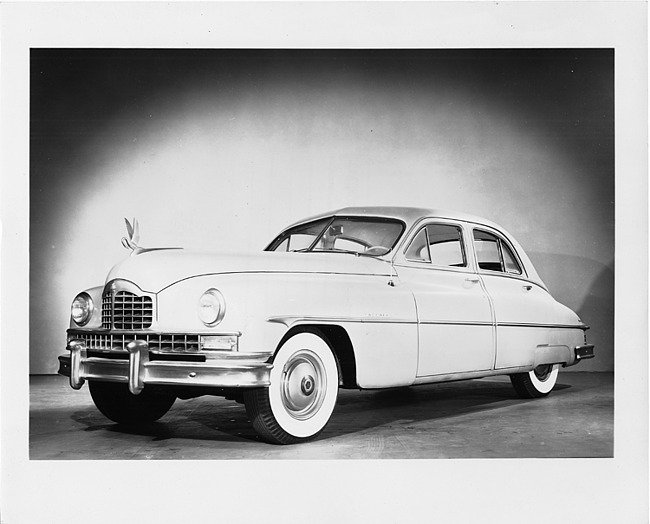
(408, 215)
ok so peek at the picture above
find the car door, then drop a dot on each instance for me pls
(455, 325)
(522, 307)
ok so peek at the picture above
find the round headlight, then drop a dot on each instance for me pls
(212, 307)
(82, 309)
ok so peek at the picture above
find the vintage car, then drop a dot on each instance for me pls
(358, 298)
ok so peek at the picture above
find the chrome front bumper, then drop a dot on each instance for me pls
(138, 370)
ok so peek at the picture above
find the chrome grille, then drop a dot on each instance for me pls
(126, 310)
(158, 342)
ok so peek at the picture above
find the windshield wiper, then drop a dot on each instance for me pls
(344, 251)
(334, 250)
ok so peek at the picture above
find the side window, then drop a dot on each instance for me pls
(419, 249)
(300, 237)
(487, 251)
(283, 246)
(438, 244)
(494, 254)
(446, 245)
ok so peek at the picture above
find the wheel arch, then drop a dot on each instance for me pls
(338, 340)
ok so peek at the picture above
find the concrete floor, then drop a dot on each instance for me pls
(471, 419)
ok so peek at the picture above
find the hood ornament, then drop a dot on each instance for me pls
(131, 241)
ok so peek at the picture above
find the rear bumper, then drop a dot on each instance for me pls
(139, 371)
(584, 352)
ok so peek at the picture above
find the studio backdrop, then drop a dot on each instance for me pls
(220, 149)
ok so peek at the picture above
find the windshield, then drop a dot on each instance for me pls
(361, 236)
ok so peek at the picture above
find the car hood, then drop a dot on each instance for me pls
(153, 271)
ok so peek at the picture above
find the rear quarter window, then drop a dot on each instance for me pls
(494, 254)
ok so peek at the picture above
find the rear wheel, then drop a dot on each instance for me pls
(536, 383)
(117, 403)
(302, 395)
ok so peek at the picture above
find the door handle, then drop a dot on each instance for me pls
(526, 288)
(473, 280)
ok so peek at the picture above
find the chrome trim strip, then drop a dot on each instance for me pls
(456, 323)
(292, 319)
(284, 272)
(550, 326)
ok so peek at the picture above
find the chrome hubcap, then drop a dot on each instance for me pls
(307, 385)
(303, 384)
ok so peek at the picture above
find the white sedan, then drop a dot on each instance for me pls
(359, 298)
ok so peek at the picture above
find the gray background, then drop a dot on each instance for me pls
(221, 149)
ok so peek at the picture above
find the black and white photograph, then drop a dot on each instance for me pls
(326, 258)
(392, 281)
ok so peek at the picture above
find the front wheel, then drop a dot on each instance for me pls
(302, 395)
(117, 403)
(536, 383)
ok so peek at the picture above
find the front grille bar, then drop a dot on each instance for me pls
(163, 343)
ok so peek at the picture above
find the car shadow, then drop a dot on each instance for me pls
(410, 405)
(207, 421)
(218, 420)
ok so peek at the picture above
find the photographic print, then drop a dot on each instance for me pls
(393, 282)
(338, 261)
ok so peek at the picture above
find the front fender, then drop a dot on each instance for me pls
(380, 319)
(248, 301)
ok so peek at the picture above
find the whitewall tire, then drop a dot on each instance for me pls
(536, 383)
(302, 395)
